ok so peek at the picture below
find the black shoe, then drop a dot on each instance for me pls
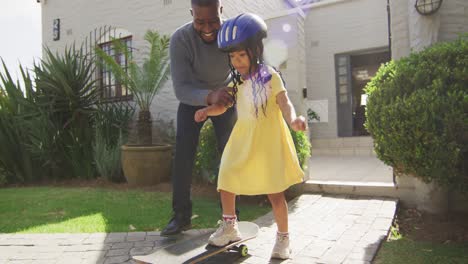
(176, 226)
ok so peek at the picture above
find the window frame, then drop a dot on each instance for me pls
(105, 89)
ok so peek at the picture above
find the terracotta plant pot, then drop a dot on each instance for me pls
(146, 165)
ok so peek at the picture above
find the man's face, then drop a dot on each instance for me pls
(207, 21)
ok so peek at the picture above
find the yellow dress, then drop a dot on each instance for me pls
(259, 157)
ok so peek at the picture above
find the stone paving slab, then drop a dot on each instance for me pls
(97, 248)
(323, 229)
(328, 229)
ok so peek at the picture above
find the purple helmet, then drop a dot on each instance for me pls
(236, 32)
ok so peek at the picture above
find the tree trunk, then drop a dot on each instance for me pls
(144, 126)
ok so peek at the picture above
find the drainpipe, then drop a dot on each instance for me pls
(389, 29)
(297, 7)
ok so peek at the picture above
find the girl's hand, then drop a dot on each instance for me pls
(201, 115)
(299, 124)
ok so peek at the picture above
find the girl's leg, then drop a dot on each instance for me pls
(223, 125)
(280, 210)
(281, 249)
(228, 231)
(228, 201)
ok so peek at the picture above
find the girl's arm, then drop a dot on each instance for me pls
(211, 110)
(289, 114)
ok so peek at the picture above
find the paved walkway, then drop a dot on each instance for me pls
(349, 170)
(324, 229)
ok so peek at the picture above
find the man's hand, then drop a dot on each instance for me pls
(299, 124)
(201, 115)
(221, 96)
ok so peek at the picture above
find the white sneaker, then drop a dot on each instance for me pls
(281, 249)
(227, 232)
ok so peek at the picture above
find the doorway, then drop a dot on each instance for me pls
(353, 71)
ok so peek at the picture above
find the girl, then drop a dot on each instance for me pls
(259, 157)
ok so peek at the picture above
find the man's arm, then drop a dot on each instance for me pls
(186, 88)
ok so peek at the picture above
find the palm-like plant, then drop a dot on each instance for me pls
(15, 102)
(143, 81)
(46, 129)
(67, 97)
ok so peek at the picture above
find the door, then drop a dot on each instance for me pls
(353, 71)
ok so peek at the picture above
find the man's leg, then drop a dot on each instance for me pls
(188, 132)
(223, 125)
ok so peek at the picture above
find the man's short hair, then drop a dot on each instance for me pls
(205, 2)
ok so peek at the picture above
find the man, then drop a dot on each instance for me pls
(199, 74)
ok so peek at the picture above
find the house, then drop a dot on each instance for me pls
(327, 50)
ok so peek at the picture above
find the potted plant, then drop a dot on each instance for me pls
(144, 163)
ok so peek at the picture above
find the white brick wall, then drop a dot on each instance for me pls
(79, 17)
(289, 31)
(451, 20)
(454, 19)
(399, 28)
(82, 16)
(338, 27)
(264, 8)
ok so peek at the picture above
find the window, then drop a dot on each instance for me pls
(110, 88)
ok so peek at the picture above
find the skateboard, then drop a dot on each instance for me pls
(196, 249)
(248, 231)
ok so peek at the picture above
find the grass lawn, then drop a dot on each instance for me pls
(75, 210)
(423, 238)
(408, 251)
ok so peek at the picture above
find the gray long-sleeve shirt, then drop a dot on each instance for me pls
(196, 67)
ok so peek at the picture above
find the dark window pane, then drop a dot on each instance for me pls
(110, 87)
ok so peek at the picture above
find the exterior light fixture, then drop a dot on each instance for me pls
(427, 7)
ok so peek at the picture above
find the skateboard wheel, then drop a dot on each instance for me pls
(243, 250)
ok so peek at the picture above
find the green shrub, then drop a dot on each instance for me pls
(3, 177)
(303, 147)
(107, 158)
(16, 107)
(46, 125)
(67, 94)
(417, 114)
(111, 122)
(208, 158)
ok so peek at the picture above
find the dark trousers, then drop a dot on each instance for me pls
(188, 132)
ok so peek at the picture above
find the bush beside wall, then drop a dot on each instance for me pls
(417, 113)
